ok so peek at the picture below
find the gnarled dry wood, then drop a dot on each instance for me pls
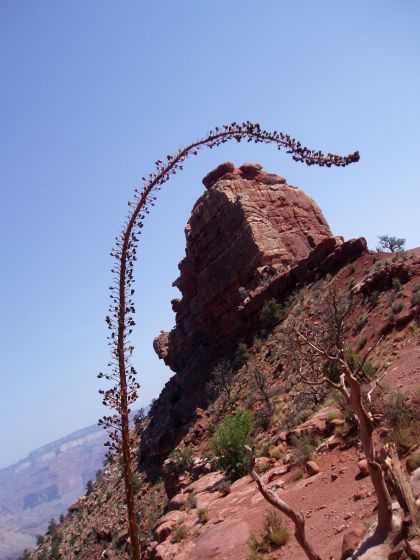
(298, 519)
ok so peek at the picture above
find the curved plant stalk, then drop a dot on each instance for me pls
(120, 319)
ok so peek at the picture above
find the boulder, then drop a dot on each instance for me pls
(312, 468)
(363, 468)
(351, 540)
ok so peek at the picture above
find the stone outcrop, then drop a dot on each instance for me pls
(248, 226)
(250, 237)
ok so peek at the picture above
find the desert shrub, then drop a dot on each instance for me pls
(249, 401)
(228, 443)
(333, 415)
(136, 482)
(203, 514)
(257, 343)
(396, 283)
(265, 450)
(26, 555)
(274, 531)
(298, 473)
(399, 411)
(275, 535)
(396, 307)
(242, 355)
(304, 447)
(353, 359)
(362, 343)
(190, 502)
(275, 454)
(270, 316)
(178, 461)
(89, 487)
(404, 419)
(180, 531)
(263, 420)
(360, 323)
(224, 487)
(39, 540)
(415, 298)
(374, 298)
(413, 461)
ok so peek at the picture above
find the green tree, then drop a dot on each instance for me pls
(228, 443)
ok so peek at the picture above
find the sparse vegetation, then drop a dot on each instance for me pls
(270, 316)
(396, 283)
(303, 448)
(178, 461)
(180, 531)
(242, 355)
(224, 487)
(360, 323)
(190, 502)
(203, 514)
(396, 307)
(374, 298)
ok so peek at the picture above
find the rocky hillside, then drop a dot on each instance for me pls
(43, 485)
(260, 258)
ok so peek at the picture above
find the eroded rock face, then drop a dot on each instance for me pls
(248, 225)
(251, 237)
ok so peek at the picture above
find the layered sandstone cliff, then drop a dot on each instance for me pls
(247, 227)
(251, 236)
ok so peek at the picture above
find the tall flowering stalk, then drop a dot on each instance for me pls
(120, 319)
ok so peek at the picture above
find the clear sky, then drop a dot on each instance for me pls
(92, 92)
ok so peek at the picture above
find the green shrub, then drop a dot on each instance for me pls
(275, 454)
(190, 502)
(203, 514)
(353, 359)
(399, 411)
(415, 298)
(274, 531)
(257, 343)
(333, 415)
(374, 298)
(362, 343)
(360, 323)
(228, 443)
(270, 316)
(298, 474)
(39, 540)
(396, 307)
(242, 355)
(396, 283)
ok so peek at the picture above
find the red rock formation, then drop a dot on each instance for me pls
(248, 224)
(251, 237)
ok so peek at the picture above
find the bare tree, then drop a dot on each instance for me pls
(390, 243)
(298, 519)
(220, 382)
(120, 319)
(315, 345)
(260, 382)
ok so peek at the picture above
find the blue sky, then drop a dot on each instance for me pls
(94, 92)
